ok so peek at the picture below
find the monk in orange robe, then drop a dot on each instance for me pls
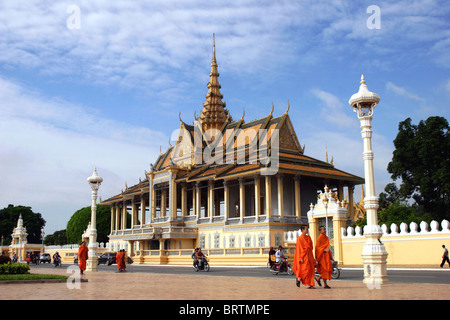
(120, 259)
(304, 264)
(324, 258)
(82, 256)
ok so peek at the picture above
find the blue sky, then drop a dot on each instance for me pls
(108, 93)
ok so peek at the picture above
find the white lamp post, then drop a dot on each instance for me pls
(374, 253)
(95, 182)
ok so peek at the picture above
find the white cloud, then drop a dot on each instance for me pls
(49, 147)
(403, 92)
(333, 109)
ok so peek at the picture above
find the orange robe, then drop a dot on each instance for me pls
(82, 256)
(324, 267)
(120, 259)
(304, 270)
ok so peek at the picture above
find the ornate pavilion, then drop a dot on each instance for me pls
(233, 188)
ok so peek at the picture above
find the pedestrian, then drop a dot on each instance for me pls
(82, 256)
(120, 259)
(324, 257)
(304, 264)
(445, 257)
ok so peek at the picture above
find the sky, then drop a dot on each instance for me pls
(87, 84)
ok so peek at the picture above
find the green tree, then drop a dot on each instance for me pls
(400, 212)
(31, 220)
(80, 220)
(421, 160)
(390, 196)
(57, 238)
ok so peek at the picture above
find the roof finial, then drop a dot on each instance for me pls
(362, 79)
(288, 107)
(214, 47)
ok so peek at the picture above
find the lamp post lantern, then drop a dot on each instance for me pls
(94, 181)
(374, 253)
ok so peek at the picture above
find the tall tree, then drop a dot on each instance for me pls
(80, 220)
(31, 220)
(421, 160)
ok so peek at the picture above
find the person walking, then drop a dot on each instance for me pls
(120, 259)
(445, 257)
(304, 263)
(324, 258)
(82, 256)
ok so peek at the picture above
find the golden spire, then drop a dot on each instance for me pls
(214, 114)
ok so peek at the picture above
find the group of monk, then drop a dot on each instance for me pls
(83, 256)
(304, 263)
(120, 260)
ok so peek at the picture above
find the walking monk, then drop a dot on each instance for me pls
(120, 260)
(324, 258)
(304, 264)
(82, 256)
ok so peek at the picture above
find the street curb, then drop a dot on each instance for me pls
(38, 281)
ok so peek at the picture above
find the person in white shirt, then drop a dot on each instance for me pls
(279, 258)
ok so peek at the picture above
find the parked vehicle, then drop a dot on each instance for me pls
(107, 258)
(45, 257)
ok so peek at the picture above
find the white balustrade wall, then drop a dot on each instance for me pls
(409, 245)
(413, 229)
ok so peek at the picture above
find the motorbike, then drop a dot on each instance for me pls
(286, 267)
(335, 274)
(202, 265)
(57, 262)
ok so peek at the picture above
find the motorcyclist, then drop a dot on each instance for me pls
(199, 255)
(280, 258)
(271, 256)
(56, 258)
(193, 256)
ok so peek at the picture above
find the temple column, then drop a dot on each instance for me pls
(226, 199)
(280, 196)
(211, 199)
(133, 213)
(153, 205)
(117, 216)
(183, 200)
(351, 203)
(241, 199)
(112, 217)
(199, 200)
(151, 199)
(268, 197)
(194, 201)
(124, 216)
(173, 198)
(257, 197)
(298, 209)
(340, 193)
(141, 251)
(163, 203)
(142, 218)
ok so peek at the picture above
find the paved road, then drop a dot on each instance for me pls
(437, 276)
